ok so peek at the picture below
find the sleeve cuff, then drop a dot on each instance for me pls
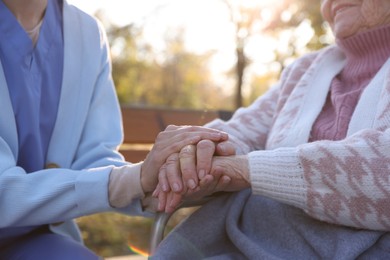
(278, 174)
(125, 185)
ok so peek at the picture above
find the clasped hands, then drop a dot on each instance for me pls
(198, 170)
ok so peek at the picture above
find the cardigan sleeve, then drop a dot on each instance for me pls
(342, 182)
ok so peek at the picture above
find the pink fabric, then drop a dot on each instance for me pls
(365, 53)
(345, 182)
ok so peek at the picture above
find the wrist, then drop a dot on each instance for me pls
(145, 180)
(125, 185)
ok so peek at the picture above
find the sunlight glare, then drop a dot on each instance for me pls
(138, 251)
(207, 27)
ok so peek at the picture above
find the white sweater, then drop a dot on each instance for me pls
(344, 182)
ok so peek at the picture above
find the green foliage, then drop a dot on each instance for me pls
(260, 84)
(111, 234)
(174, 78)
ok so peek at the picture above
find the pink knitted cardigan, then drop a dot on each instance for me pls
(345, 181)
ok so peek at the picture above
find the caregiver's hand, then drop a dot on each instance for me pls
(171, 141)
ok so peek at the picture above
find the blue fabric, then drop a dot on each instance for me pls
(88, 102)
(34, 76)
(47, 245)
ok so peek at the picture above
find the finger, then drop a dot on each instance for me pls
(157, 191)
(162, 179)
(208, 185)
(225, 148)
(162, 201)
(173, 201)
(223, 183)
(173, 173)
(204, 153)
(187, 157)
(177, 139)
(171, 127)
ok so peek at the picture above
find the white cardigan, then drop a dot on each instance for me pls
(87, 132)
(344, 182)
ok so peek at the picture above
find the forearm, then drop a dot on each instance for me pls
(343, 182)
(50, 196)
(125, 185)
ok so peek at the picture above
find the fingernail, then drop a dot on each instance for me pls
(191, 183)
(202, 173)
(164, 187)
(176, 187)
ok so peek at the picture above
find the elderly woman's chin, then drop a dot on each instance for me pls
(345, 31)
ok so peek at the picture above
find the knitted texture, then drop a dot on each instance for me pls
(344, 182)
(365, 54)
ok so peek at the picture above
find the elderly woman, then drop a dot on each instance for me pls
(313, 157)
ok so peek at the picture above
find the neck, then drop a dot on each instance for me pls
(366, 52)
(28, 12)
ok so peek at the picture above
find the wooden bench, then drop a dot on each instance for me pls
(141, 126)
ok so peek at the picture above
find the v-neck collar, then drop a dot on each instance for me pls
(21, 43)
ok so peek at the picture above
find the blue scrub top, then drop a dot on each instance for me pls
(34, 77)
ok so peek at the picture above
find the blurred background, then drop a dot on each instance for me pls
(196, 54)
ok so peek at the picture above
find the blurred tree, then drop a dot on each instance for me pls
(259, 85)
(175, 77)
(273, 18)
(186, 80)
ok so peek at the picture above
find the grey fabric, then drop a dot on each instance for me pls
(243, 226)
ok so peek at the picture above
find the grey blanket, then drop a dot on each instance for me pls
(243, 226)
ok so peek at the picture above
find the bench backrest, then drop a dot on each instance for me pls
(141, 126)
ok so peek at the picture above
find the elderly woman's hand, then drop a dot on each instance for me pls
(235, 167)
(186, 174)
(169, 142)
(227, 173)
(169, 200)
(183, 171)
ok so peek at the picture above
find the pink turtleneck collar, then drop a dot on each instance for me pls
(365, 53)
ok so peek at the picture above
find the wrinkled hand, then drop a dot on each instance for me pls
(169, 200)
(186, 174)
(235, 167)
(169, 142)
(182, 171)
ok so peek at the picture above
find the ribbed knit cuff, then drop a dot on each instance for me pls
(125, 185)
(278, 174)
